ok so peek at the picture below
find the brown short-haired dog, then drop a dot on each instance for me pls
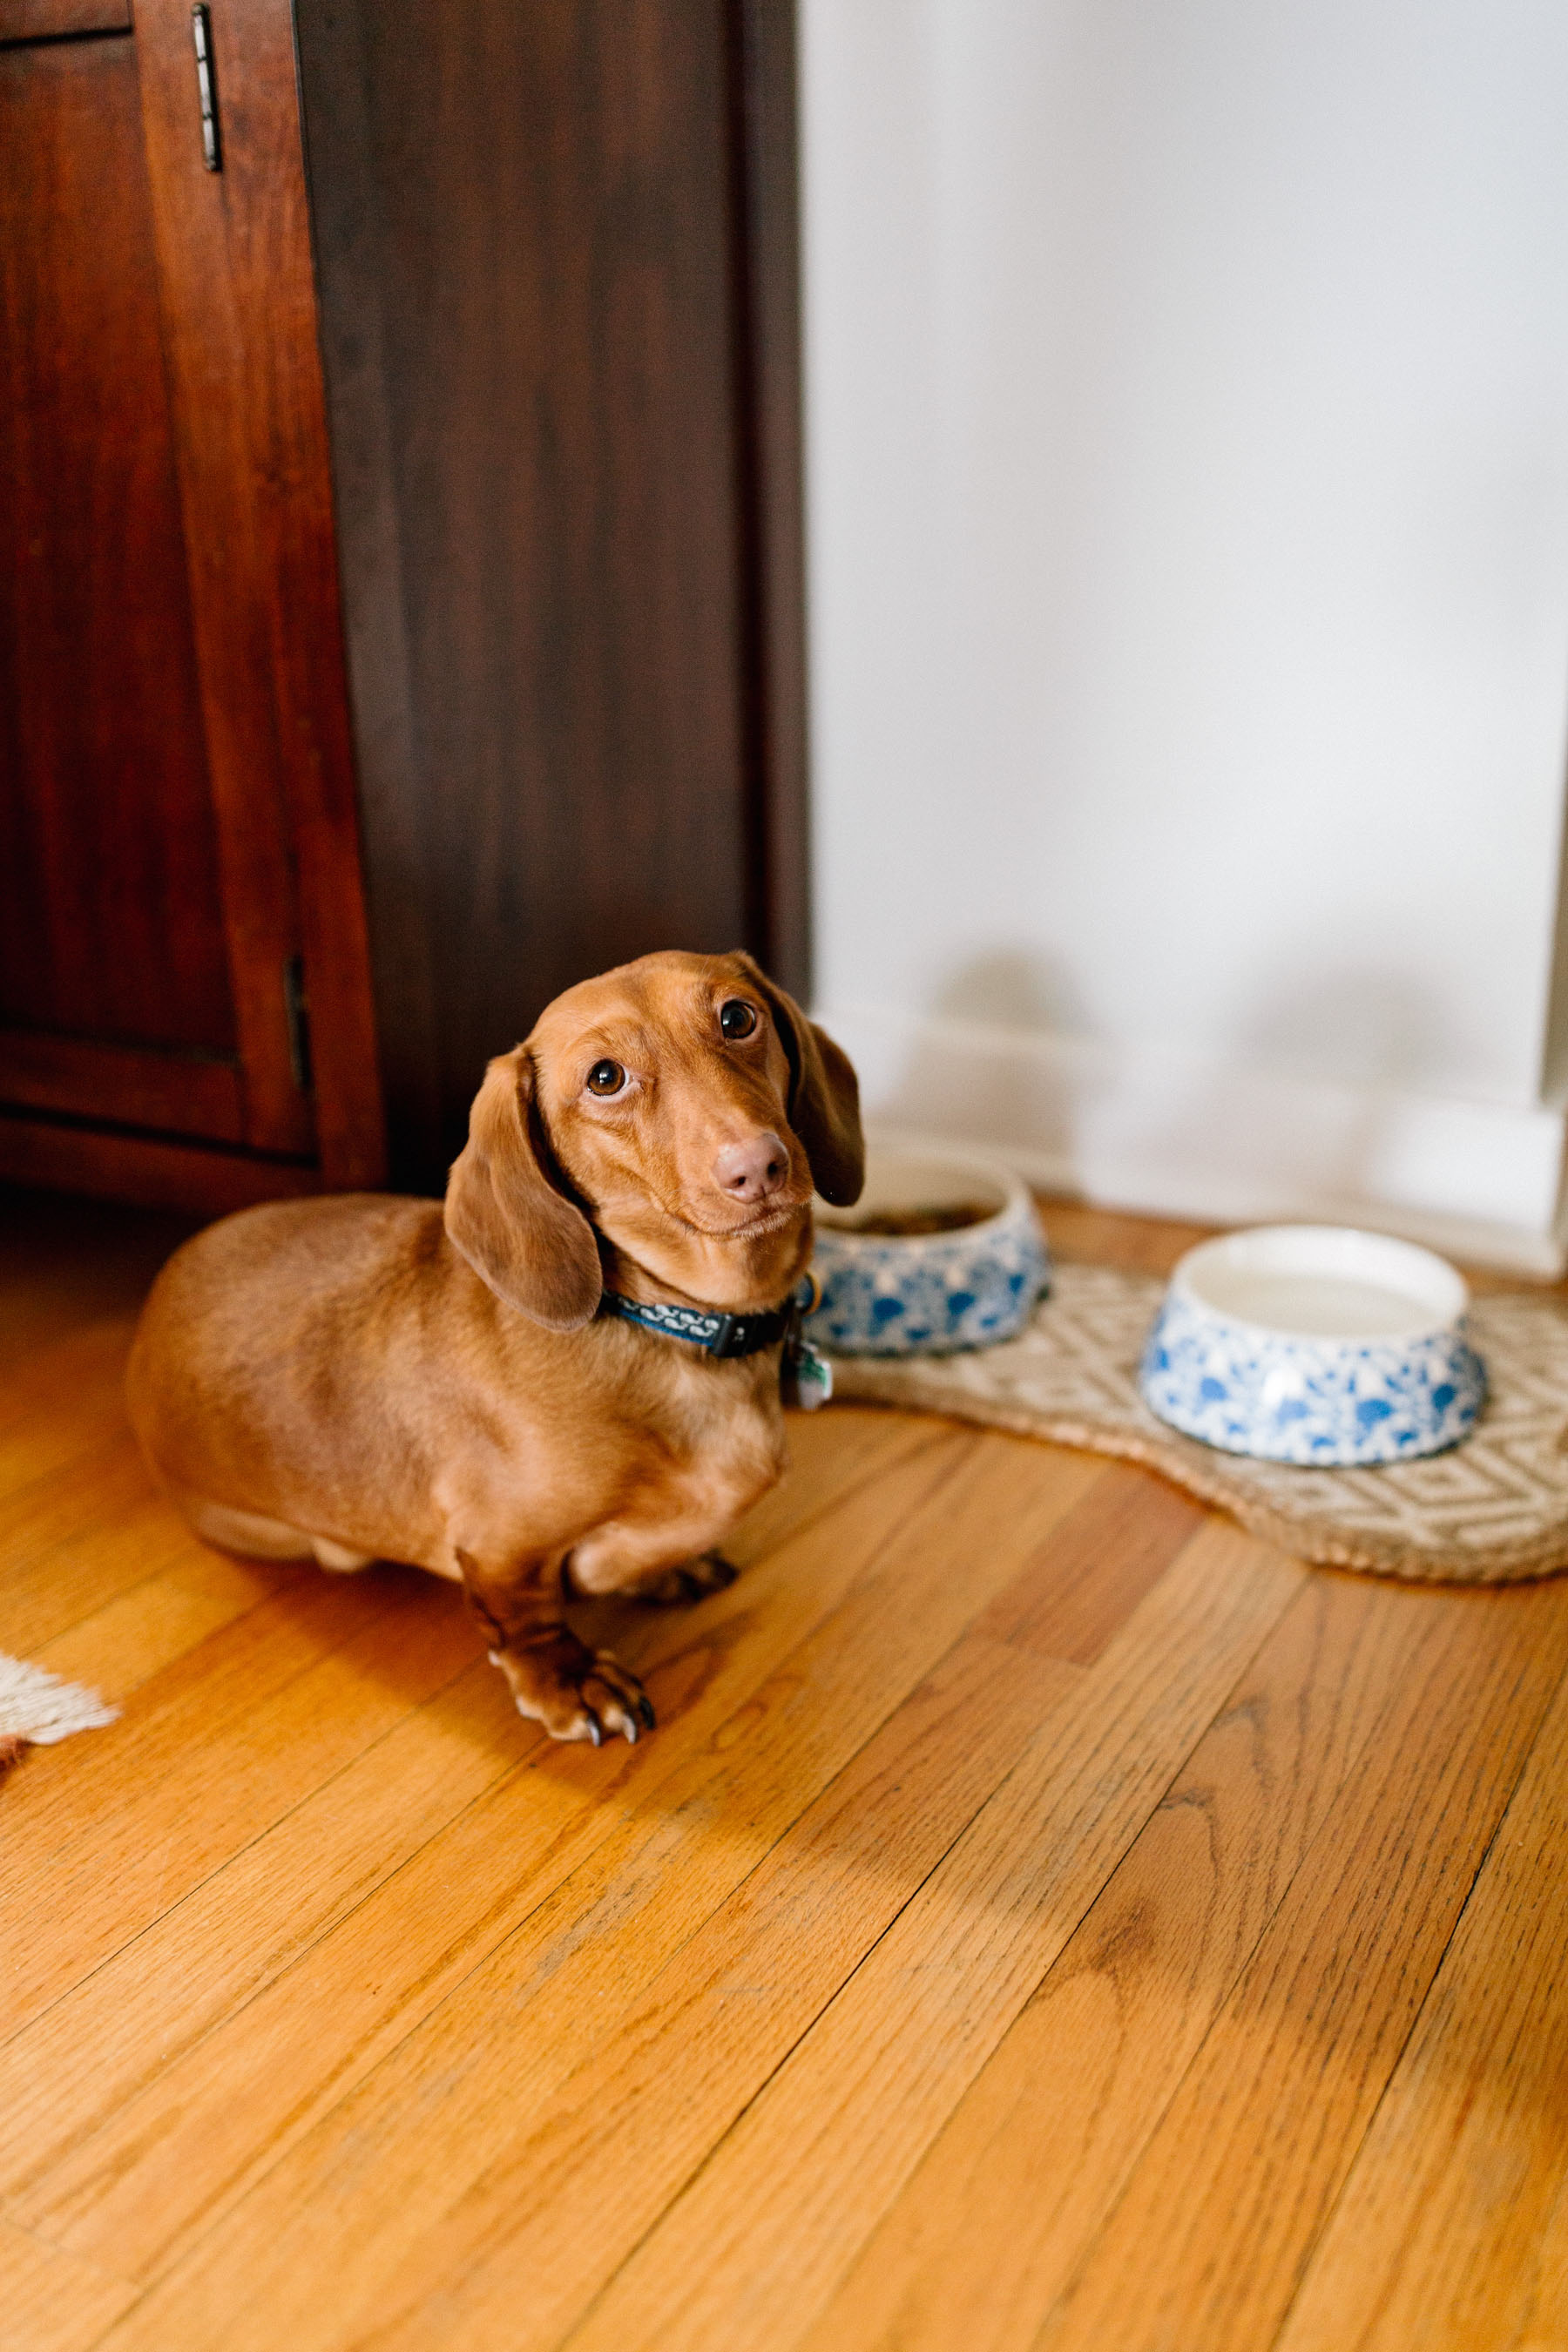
(364, 1377)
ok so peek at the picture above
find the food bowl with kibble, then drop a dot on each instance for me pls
(942, 1251)
(1315, 1344)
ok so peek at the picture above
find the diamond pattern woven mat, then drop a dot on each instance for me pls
(1492, 1511)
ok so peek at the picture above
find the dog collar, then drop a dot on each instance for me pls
(707, 1328)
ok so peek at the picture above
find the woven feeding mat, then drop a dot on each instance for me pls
(1492, 1510)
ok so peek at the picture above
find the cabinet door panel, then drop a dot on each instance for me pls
(179, 871)
(110, 923)
(240, 328)
(48, 20)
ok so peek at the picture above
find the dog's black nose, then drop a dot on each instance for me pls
(751, 1170)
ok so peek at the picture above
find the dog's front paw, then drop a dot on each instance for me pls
(575, 1692)
(693, 1581)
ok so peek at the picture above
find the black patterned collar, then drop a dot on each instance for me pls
(707, 1328)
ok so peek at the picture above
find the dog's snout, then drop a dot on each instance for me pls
(752, 1170)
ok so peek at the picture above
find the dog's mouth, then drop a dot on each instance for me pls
(770, 1217)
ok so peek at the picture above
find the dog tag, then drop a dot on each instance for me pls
(806, 1379)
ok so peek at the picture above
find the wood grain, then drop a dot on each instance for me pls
(567, 1950)
(823, 1896)
(1109, 1552)
(1252, 2151)
(52, 20)
(240, 328)
(1459, 2187)
(145, 1170)
(50, 2301)
(787, 2198)
(181, 829)
(558, 306)
(111, 926)
(67, 2080)
(1010, 2196)
(183, 1094)
(1043, 1917)
(71, 1545)
(62, 1267)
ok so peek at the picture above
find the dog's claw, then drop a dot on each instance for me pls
(644, 1708)
(576, 1693)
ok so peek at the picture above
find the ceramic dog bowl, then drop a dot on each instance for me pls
(1314, 1344)
(928, 1293)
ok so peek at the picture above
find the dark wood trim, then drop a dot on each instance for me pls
(58, 20)
(146, 1170)
(768, 392)
(189, 1094)
(349, 267)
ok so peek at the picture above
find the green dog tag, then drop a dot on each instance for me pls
(806, 1379)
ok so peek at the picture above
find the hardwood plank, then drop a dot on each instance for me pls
(762, 2234)
(62, 1265)
(519, 2023)
(1208, 2240)
(1109, 1552)
(553, 2214)
(51, 2302)
(256, 1717)
(250, 1923)
(1439, 2232)
(1113, 1237)
(1011, 2193)
(139, 1634)
(72, 1542)
(59, 1408)
(895, 1994)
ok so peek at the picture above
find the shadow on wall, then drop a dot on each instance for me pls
(1307, 1104)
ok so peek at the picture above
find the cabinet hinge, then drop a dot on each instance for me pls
(206, 84)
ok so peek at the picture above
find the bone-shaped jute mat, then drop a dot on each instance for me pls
(1492, 1510)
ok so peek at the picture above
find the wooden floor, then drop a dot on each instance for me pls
(1044, 1918)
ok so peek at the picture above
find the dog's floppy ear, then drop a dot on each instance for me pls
(517, 1232)
(824, 1095)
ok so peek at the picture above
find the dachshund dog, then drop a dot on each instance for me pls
(461, 1386)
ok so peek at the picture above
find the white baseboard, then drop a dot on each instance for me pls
(1189, 1138)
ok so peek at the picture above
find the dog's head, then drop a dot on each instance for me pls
(683, 1107)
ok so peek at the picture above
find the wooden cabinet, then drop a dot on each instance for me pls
(399, 559)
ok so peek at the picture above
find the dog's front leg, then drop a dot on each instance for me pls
(575, 1692)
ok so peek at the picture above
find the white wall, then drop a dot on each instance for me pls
(1187, 424)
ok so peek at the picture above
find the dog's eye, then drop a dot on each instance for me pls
(606, 1079)
(737, 1018)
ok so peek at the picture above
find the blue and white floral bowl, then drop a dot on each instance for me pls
(928, 1294)
(1314, 1344)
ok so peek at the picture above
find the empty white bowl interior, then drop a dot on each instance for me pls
(902, 1181)
(1324, 1282)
